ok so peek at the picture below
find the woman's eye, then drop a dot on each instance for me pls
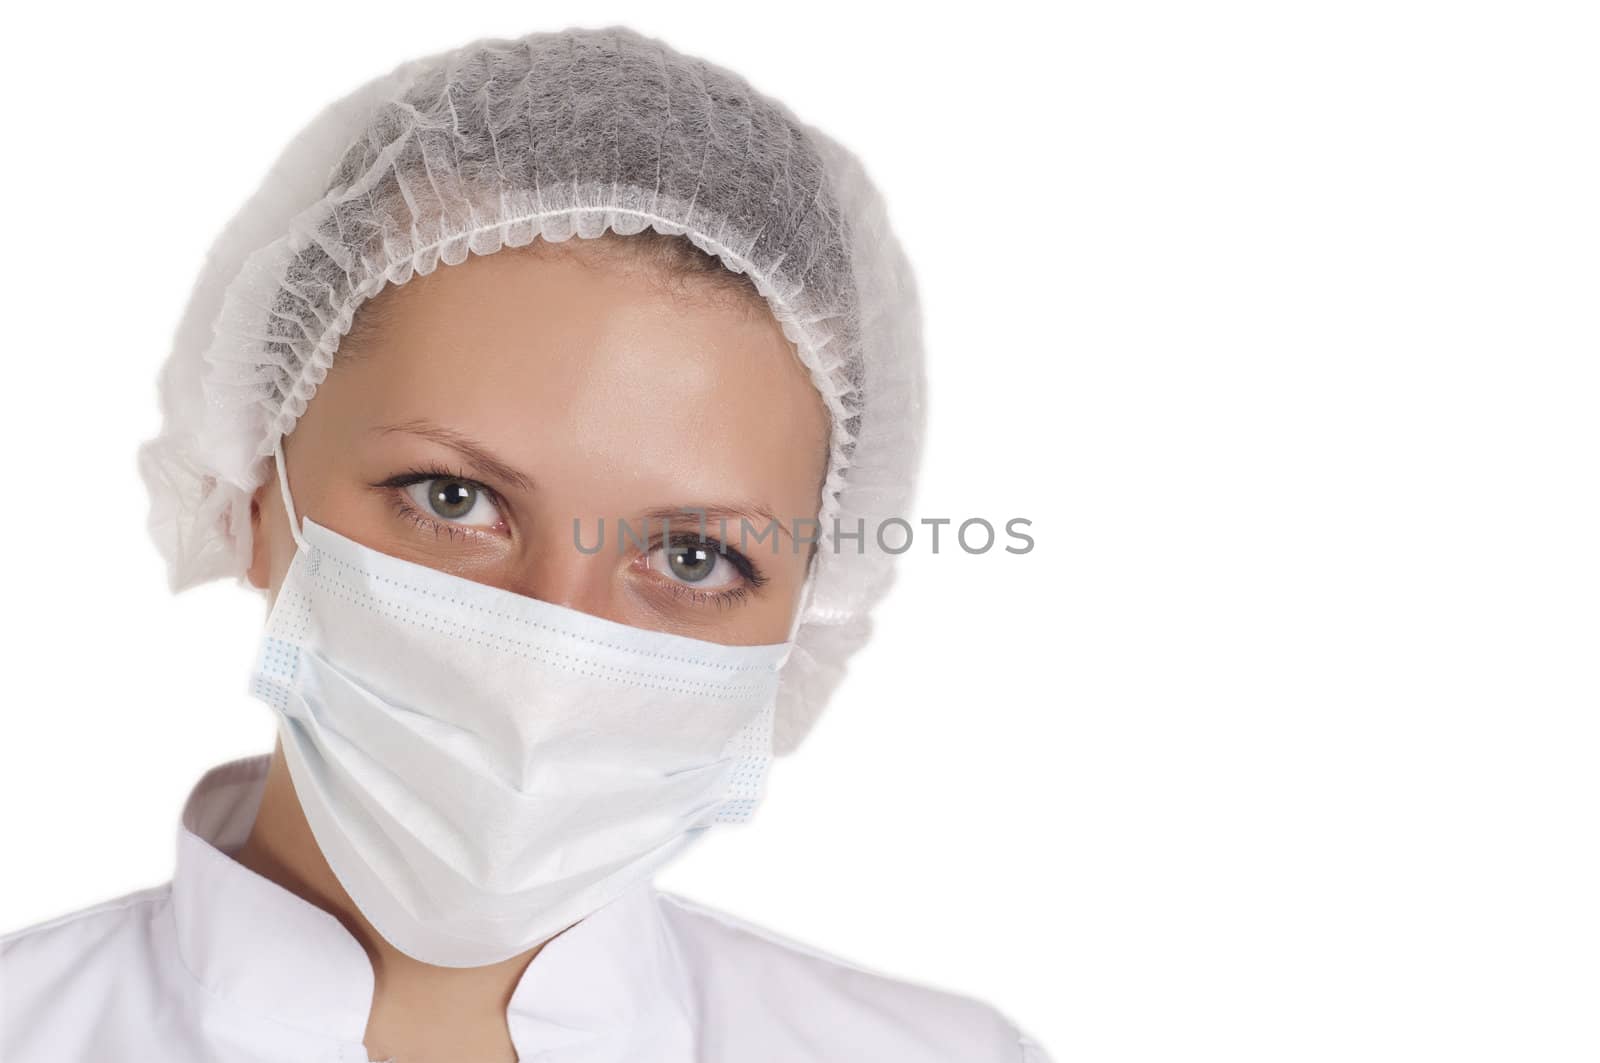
(454, 500)
(697, 564)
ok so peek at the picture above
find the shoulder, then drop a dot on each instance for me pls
(95, 962)
(825, 1006)
(86, 933)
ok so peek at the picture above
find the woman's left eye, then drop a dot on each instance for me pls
(455, 500)
(696, 564)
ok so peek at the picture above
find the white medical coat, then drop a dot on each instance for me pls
(222, 965)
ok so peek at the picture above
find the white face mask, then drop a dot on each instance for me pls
(483, 769)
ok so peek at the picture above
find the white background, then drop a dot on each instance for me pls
(1277, 320)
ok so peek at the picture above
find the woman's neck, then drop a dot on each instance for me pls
(420, 1013)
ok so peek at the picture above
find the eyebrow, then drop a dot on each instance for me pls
(757, 514)
(469, 448)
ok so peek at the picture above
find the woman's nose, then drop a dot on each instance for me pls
(570, 579)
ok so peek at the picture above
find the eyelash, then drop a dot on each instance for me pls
(396, 485)
(754, 578)
(421, 474)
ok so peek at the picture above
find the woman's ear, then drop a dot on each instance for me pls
(260, 571)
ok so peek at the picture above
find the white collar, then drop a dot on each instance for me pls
(612, 986)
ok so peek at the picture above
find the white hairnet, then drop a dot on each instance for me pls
(548, 136)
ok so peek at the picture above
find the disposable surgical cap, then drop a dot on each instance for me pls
(549, 136)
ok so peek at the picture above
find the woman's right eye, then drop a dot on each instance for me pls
(455, 500)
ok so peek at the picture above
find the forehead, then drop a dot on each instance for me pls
(595, 358)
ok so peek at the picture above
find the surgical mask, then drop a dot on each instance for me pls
(483, 769)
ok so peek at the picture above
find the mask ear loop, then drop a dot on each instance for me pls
(283, 489)
(805, 599)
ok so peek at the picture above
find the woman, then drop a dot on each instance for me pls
(561, 548)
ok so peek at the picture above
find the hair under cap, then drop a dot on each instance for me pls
(549, 136)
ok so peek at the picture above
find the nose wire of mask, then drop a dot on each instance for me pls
(483, 769)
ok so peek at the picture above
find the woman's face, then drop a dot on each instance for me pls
(500, 400)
